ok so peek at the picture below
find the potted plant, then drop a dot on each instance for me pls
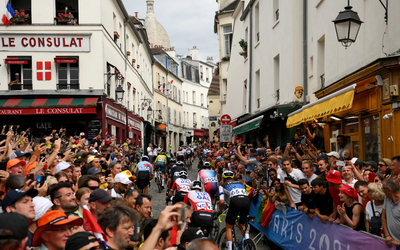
(133, 60)
(20, 17)
(138, 66)
(243, 45)
(128, 53)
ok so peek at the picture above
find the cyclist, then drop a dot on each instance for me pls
(174, 173)
(182, 187)
(180, 155)
(238, 203)
(160, 163)
(144, 173)
(189, 154)
(209, 179)
(200, 202)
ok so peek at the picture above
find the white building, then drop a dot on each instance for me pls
(73, 71)
(292, 48)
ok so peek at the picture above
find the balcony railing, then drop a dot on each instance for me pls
(61, 86)
(322, 80)
(20, 86)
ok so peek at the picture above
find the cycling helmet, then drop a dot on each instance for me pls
(183, 173)
(180, 148)
(206, 164)
(227, 174)
(179, 163)
(161, 153)
(172, 160)
(145, 158)
(196, 185)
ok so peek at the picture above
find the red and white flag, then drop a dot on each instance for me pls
(91, 225)
(43, 71)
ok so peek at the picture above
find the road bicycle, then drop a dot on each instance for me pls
(158, 179)
(239, 241)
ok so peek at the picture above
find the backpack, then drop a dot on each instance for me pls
(375, 223)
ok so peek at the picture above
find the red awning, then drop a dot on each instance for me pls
(17, 60)
(65, 59)
(199, 132)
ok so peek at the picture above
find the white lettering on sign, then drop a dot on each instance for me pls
(115, 114)
(42, 125)
(45, 42)
(226, 133)
(134, 124)
(11, 112)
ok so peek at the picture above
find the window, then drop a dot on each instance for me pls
(257, 22)
(207, 73)
(169, 115)
(66, 12)
(202, 121)
(371, 133)
(25, 12)
(68, 75)
(108, 80)
(174, 94)
(257, 89)
(179, 93)
(133, 97)
(20, 74)
(194, 120)
(245, 96)
(179, 118)
(311, 67)
(175, 116)
(227, 33)
(194, 97)
(276, 77)
(321, 61)
(202, 99)
(187, 96)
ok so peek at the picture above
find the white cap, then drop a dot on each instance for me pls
(17, 74)
(334, 154)
(62, 166)
(122, 178)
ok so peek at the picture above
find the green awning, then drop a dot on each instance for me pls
(248, 126)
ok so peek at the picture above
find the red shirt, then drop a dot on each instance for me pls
(174, 231)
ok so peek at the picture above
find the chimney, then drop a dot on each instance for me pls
(210, 59)
(195, 53)
(136, 14)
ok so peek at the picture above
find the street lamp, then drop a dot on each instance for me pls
(347, 25)
(120, 93)
(149, 111)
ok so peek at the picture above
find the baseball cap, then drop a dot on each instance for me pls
(371, 163)
(323, 156)
(14, 195)
(62, 166)
(79, 240)
(52, 218)
(122, 178)
(100, 195)
(93, 171)
(19, 154)
(334, 154)
(16, 223)
(14, 162)
(112, 164)
(334, 177)
(42, 205)
(127, 173)
(190, 234)
(349, 191)
(259, 152)
(90, 159)
(94, 151)
(264, 159)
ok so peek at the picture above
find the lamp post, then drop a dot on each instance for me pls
(119, 90)
(347, 25)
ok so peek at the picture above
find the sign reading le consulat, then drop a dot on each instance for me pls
(47, 111)
(45, 42)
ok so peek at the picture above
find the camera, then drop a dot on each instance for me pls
(291, 179)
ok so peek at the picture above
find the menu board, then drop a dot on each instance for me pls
(94, 127)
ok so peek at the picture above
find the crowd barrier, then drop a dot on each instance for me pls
(295, 230)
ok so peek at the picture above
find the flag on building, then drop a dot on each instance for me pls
(43, 71)
(8, 14)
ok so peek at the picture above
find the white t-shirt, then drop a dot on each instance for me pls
(294, 193)
(313, 176)
(351, 184)
(368, 210)
(115, 194)
(149, 151)
(155, 152)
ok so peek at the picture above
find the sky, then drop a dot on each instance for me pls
(188, 23)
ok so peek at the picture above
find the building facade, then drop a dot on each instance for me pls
(63, 62)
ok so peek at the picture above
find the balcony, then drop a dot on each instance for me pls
(63, 86)
(20, 86)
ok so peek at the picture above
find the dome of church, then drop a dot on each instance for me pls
(158, 36)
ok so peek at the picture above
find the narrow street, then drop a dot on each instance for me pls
(158, 203)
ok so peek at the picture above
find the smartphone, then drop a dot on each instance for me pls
(371, 177)
(303, 141)
(248, 172)
(42, 180)
(107, 173)
(42, 156)
(38, 178)
(182, 213)
(30, 177)
(340, 163)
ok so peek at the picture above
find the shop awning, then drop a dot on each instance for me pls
(248, 126)
(47, 106)
(17, 59)
(329, 105)
(65, 59)
(199, 133)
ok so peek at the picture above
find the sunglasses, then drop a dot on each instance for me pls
(94, 188)
(381, 165)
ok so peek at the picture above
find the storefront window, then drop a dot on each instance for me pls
(372, 150)
(336, 129)
(351, 126)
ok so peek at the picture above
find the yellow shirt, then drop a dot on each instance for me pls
(161, 158)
